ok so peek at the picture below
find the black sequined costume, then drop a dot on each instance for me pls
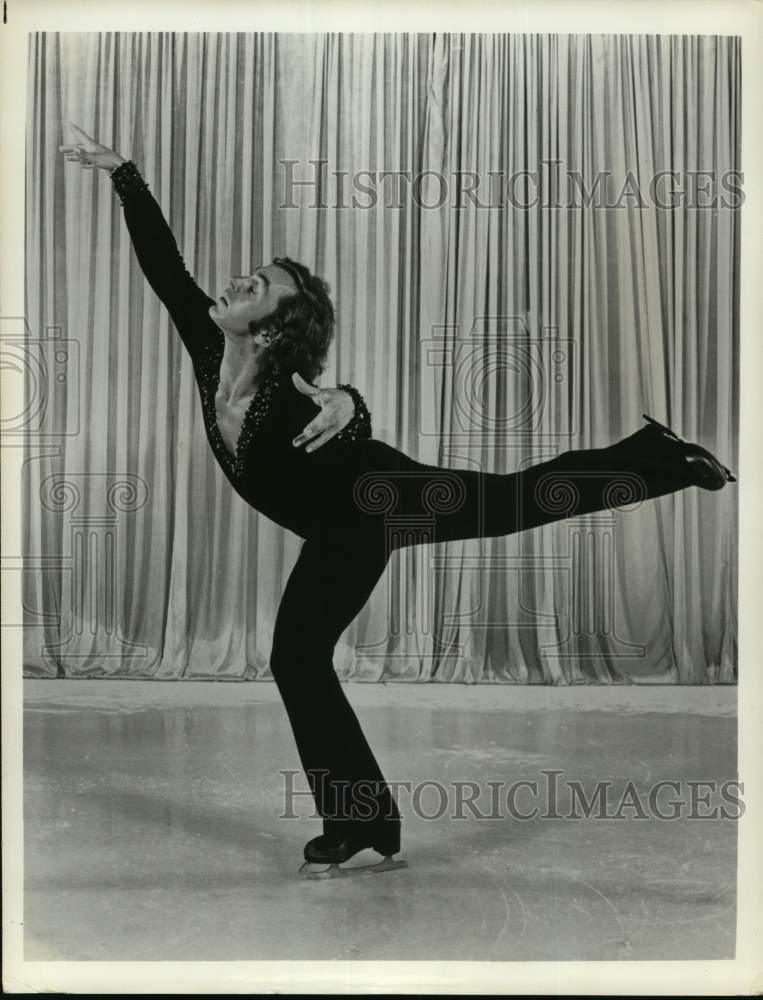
(354, 501)
(278, 411)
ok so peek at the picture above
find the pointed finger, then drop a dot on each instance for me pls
(307, 435)
(313, 429)
(319, 441)
(80, 131)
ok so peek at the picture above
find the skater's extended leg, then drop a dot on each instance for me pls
(418, 502)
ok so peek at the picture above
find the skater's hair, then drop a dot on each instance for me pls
(303, 323)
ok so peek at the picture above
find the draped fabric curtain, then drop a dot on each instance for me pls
(515, 274)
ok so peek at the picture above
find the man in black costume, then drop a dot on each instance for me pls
(255, 351)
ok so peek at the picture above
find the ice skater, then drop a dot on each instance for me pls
(256, 350)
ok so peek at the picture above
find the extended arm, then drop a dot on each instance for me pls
(343, 413)
(156, 248)
(154, 244)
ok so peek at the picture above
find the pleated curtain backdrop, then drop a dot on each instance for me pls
(483, 334)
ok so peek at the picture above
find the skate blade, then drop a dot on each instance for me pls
(312, 870)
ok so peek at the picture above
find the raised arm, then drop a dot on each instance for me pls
(342, 411)
(152, 239)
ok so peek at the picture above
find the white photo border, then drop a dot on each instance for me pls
(680, 17)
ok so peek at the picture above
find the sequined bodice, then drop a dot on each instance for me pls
(208, 379)
(285, 483)
(231, 411)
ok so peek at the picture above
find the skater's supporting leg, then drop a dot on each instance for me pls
(328, 586)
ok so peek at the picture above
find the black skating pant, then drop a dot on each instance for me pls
(382, 501)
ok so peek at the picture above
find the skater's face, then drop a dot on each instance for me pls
(250, 299)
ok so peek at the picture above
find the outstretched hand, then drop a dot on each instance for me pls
(88, 152)
(336, 411)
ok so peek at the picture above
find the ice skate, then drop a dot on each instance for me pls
(314, 870)
(707, 472)
(325, 857)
